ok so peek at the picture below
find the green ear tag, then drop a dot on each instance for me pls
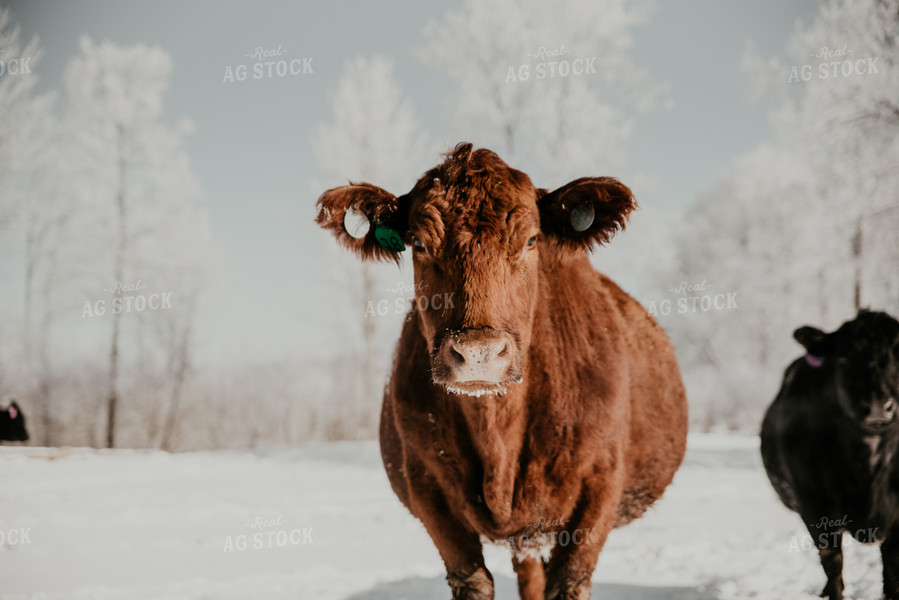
(389, 238)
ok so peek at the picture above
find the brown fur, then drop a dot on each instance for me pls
(595, 430)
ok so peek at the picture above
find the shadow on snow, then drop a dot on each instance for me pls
(436, 588)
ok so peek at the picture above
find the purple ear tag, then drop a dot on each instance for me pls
(813, 361)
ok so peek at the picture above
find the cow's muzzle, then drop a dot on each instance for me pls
(882, 415)
(477, 362)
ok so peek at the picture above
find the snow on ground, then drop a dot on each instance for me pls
(321, 522)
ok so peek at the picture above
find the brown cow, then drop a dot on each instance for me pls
(541, 406)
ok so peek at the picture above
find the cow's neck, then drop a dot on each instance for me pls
(497, 425)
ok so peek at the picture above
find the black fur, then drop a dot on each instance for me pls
(829, 442)
(12, 424)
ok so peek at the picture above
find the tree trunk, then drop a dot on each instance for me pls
(857, 264)
(43, 380)
(179, 375)
(367, 399)
(121, 247)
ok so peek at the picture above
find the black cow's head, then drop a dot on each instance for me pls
(865, 355)
(12, 424)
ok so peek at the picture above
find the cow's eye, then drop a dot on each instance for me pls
(532, 241)
(418, 244)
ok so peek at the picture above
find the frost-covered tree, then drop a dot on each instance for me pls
(803, 227)
(514, 96)
(374, 137)
(20, 113)
(551, 87)
(31, 215)
(141, 204)
(835, 106)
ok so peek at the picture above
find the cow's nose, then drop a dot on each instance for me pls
(881, 414)
(482, 358)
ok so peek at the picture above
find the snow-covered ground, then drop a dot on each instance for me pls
(321, 522)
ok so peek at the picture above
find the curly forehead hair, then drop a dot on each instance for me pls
(475, 189)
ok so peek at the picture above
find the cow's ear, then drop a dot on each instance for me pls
(584, 213)
(815, 341)
(367, 219)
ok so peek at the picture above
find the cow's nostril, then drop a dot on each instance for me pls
(456, 356)
(478, 357)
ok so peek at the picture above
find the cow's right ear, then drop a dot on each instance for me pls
(367, 219)
(815, 341)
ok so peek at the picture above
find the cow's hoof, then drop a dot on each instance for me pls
(569, 590)
(477, 586)
(832, 591)
(579, 593)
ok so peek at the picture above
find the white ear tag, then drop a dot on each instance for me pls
(582, 216)
(355, 223)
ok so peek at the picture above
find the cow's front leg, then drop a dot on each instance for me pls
(889, 552)
(531, 576)
(576, 551)
(573, 561)
(459, 547)
(577, 548)
(477, 585)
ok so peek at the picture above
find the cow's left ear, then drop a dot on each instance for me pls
(365, 218)
(815, 341)
(584, 213)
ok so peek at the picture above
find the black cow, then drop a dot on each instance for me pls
(12, 424)
(829, 442)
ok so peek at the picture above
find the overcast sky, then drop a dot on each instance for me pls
(251, 148)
